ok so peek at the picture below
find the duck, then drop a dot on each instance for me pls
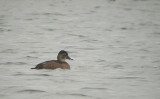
(54, 64)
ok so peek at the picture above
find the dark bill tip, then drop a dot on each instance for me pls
(69, 58)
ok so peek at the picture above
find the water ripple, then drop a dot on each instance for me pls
(21, 74)
(13, 63)
(127, 78)
(90, 88)
(8, 51)
(75, 94)
(31, 91)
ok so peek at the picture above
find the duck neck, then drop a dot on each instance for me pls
(60, 59)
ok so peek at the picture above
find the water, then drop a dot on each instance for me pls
(115, 45)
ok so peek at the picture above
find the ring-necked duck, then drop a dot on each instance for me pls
(53, 64)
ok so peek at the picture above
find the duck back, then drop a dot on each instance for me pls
(53, 64)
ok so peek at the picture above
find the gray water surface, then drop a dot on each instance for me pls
(115, 45)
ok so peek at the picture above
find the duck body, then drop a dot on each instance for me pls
(54, 64)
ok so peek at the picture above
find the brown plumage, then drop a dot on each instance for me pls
(53, 64)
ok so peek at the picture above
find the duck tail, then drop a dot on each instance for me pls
(33, 68)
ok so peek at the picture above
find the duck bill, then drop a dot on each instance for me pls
(69, 58)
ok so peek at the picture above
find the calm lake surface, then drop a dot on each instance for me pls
(115, 45)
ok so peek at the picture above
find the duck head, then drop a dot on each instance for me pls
(62, 56)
